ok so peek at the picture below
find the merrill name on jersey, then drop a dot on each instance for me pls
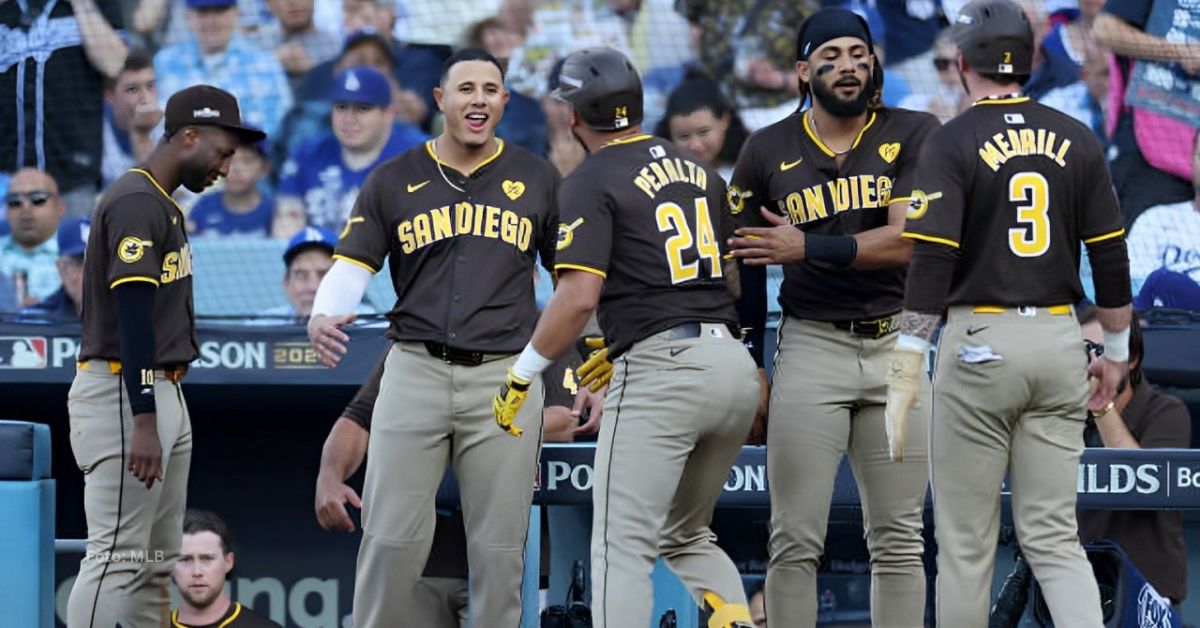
(1021, 143)
(444, 222)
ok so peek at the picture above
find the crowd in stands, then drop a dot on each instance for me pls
(343, 85)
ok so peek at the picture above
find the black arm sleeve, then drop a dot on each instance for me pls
(1110, 272)
(929, 277)
(135, 331)
(363, 404)
(752, 309)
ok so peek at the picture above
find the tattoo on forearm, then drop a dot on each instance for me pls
(919, 324)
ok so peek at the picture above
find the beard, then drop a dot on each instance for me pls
(838, 106)
(201, 601)
(193, 178)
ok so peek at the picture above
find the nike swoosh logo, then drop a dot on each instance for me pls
(785, 166)
(413, 187)
(677, 350)
(971, 331)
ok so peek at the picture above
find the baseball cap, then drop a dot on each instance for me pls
(309, 238)
(363, 85)
(73, 236)
(204, 4)
(828, 24)
(209, 106)
(995, 38)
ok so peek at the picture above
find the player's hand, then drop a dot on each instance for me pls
(590, 404)
(332, 497)
(758, 431)
(508, 401)
(1108, 376)
(327, 338)
(596, 371)
(780, 243)
(145, 452)
(903, 382)
(146, 116)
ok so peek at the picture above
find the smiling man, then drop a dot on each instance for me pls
(813, 194)
(205, 559)
(461, 219)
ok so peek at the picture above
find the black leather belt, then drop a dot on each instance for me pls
(875, 328)
(450, 355)
(680, 332)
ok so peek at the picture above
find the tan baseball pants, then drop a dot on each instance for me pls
(440, 603)
(1010, 394)
(429, 413)
(676, 415)
(827, 400)
(134, 534)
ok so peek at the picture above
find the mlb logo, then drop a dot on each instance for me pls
(23, 352)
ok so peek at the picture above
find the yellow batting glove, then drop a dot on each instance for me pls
(508, 402)
(596, 371)
(903, 380)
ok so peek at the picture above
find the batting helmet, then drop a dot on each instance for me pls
(995, 37)
(603, 86)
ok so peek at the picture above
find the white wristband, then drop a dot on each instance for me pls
(912, 343)
(1116, 345)
(530, 364)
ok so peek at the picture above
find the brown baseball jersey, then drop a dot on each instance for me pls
(461, 245)
(138, 234)
(1015, 186)
(787, 169)
(651, 222)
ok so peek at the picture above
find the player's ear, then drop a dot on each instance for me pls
(803, 70)
(228, 563)
(437, 98)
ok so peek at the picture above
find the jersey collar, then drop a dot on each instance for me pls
(821, 145)
(1006, 99)
(146, 173)
(433, 155)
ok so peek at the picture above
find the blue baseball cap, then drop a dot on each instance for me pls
(363, 85)
(204, 4)
(73, 236)
(309, 238)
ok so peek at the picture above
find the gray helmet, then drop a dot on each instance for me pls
(603, 86)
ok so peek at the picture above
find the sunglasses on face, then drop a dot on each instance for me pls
(37, 198)
(942, 64)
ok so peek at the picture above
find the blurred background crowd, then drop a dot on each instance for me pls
(343, 85)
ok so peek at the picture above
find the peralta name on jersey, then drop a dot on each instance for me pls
(1023, 143)
(659, 174)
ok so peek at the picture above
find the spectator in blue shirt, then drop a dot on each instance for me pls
(320, 181)
(241, 208)
(308, 256)
(66, 302)
(217, 56)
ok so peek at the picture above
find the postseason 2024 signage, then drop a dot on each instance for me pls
(1165, 88)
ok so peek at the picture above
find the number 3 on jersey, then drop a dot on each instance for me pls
(1032, 237)
(672, 219)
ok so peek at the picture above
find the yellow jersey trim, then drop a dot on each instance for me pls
(237, 610)
(146, 173)
(586, 269)
(131, 280)
(629, 140)
(175, 619)
(821, 145)
(1001, 101)
(356, 263)
(1106, 236)
(899, 199)
(433, 155)
(925, 238)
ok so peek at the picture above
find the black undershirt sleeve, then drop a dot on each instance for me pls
(929, 277)
(135, 331)
(752, 309)
(1110, 272)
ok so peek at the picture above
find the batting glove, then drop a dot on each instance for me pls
(508, 402)
(596, 371)
(903, 381)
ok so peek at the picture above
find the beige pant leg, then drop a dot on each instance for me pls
(495, 473)
(406, 459)
(440, 603)
(116, 581)
(662, 413)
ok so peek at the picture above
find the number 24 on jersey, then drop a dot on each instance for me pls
(672, 218)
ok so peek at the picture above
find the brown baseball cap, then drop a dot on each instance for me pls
(208, 106)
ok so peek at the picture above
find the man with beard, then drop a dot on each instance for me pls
(139, 328)
(205, 559)
(461, 219)
(813, 193)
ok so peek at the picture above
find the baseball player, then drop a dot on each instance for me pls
(1005, 193)
(128, 416)
(813, 192)
(641, 235)
(462, 219)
